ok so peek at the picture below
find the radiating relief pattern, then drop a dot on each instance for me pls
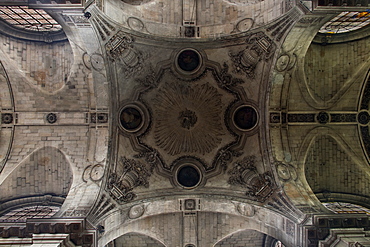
(187, 118)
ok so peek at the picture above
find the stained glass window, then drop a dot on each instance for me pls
(346, 208)
(346, 22)
(29, 19)
(22, 214)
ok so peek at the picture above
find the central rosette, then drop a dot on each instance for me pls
(187, 118)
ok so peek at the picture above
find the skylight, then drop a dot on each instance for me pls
(346, 208)
(29, 19)
(346, 22)
(22, 214)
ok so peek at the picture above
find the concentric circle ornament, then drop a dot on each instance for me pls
(6, 118)
(363, 117)
(188, 61)
(245, 117)
(131, 118)
(51, 118)
(323, 117)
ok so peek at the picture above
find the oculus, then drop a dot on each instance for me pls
(245, 118)
(189, 60)
(188, 176)
(131, 118)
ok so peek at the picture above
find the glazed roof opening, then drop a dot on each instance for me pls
(346, 22)
(28, 19)
(346, 208)
(24, 213)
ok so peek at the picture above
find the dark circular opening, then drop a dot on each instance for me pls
(188, 60)
(188, 176)
(131, 118)
(245, 117)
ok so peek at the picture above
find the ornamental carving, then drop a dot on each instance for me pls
(259, 47)
(187, 118)
(120, 49)
(244, 173)
(129, 175)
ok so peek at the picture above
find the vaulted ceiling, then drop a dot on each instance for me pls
(149, 114)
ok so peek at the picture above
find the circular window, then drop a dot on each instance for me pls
(131, 118)
(245, 117)
(188, 60)
(188, 176)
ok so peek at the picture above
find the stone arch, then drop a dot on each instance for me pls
(246, 238)
(54, 59)
(157, 217)
(342, 158)
(44, 178)
(137, 239)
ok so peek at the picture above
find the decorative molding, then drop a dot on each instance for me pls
(75, 230)
(99, 117)
(323, 225)
(119, 48)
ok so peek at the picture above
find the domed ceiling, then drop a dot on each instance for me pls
(188, 113)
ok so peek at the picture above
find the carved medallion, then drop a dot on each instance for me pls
(136, 211)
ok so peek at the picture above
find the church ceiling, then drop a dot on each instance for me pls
(192, 117)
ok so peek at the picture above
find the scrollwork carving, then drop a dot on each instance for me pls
(259, 186)
(133, 174)
(259, 47)
(120, 48)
